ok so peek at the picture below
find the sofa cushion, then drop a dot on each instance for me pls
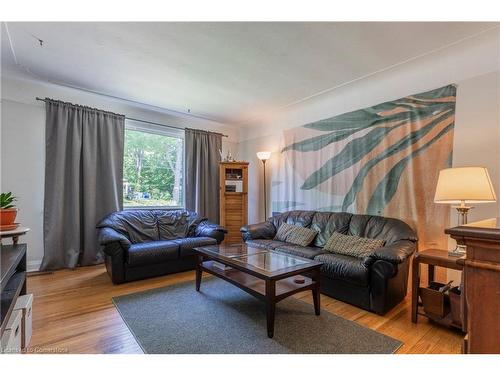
(388, 229)
(146, 253)
(186, 245)
(343, 267)
(327, 223)
(137, 225)
(354, 246)
(172, 224)
(300, 218)
(300, 251)
(265, 244)
(295, 234)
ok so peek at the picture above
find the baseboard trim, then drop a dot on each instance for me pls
(33, 265)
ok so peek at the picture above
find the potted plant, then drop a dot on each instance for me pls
(8, 212)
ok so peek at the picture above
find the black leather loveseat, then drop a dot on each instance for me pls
(144, 243)
(375, 283)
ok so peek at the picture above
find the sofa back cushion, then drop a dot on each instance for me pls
(295, 234)
(327, 223)
(378, 227)
(144, 225)
(137, 225)
(172, 224)
(300, 218)
(354, 246)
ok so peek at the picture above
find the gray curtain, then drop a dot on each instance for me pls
(202, 172)
(83, 181)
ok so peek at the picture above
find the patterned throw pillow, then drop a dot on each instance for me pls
(295, 234)
(354, 246)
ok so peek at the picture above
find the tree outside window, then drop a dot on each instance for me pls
(152, 169)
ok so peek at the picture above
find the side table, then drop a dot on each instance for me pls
(15, 233)
(433, 258)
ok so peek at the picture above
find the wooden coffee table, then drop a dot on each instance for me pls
(267, 275)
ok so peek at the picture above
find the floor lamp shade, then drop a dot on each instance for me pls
(264, 155)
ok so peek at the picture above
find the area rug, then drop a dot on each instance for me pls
(224, 319)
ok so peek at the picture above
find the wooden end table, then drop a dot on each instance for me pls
(433, 258)
(267, 275)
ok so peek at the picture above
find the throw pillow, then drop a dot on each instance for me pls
(354, 246)
(295, 234)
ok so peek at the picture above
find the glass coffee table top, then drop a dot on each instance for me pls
(263, 259)
(233, 251)
(271, 261)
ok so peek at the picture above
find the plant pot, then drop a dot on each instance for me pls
(8, 216)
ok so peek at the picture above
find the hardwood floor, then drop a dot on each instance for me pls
(73, 313)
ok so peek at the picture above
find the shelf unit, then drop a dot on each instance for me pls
(13, 279)
(233, 199)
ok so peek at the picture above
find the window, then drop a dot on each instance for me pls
(153, 166)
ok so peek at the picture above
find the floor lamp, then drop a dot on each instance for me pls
(264, 156)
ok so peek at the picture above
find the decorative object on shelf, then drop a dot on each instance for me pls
(8, 211)
(229, 156)
(264, 156)
(463, 186)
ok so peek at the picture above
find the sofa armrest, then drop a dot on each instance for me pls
(208, 229)
(265, 230)
(396, 253)
(108, 236)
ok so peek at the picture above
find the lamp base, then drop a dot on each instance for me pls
(462, 210)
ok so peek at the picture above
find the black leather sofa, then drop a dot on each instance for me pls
(145, 243)
(376, 283)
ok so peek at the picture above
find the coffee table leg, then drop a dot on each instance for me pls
(316, 293)
(198, 272)
(270, 306)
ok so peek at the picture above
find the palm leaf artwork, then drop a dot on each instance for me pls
(367, 140)
(387, 187)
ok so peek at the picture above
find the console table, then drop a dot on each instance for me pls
(13, 279)
(482, 283)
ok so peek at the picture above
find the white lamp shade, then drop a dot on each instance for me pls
(464, 184)
(264, 155)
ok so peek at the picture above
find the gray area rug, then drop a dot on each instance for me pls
(223, 319)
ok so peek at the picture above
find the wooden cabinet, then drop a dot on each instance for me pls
(233, 199)
(482, 284)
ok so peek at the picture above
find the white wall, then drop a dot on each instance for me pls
(474, 65)
(22, 134)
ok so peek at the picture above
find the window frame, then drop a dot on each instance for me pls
(172, 132)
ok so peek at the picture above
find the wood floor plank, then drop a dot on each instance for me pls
(73, 313)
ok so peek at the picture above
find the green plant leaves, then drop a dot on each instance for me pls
(6, 200)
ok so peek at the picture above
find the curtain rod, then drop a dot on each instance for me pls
(154, 123)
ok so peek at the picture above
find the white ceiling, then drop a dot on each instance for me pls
(228, 72)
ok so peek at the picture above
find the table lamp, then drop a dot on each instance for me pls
(264, 156)
(462, 186)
